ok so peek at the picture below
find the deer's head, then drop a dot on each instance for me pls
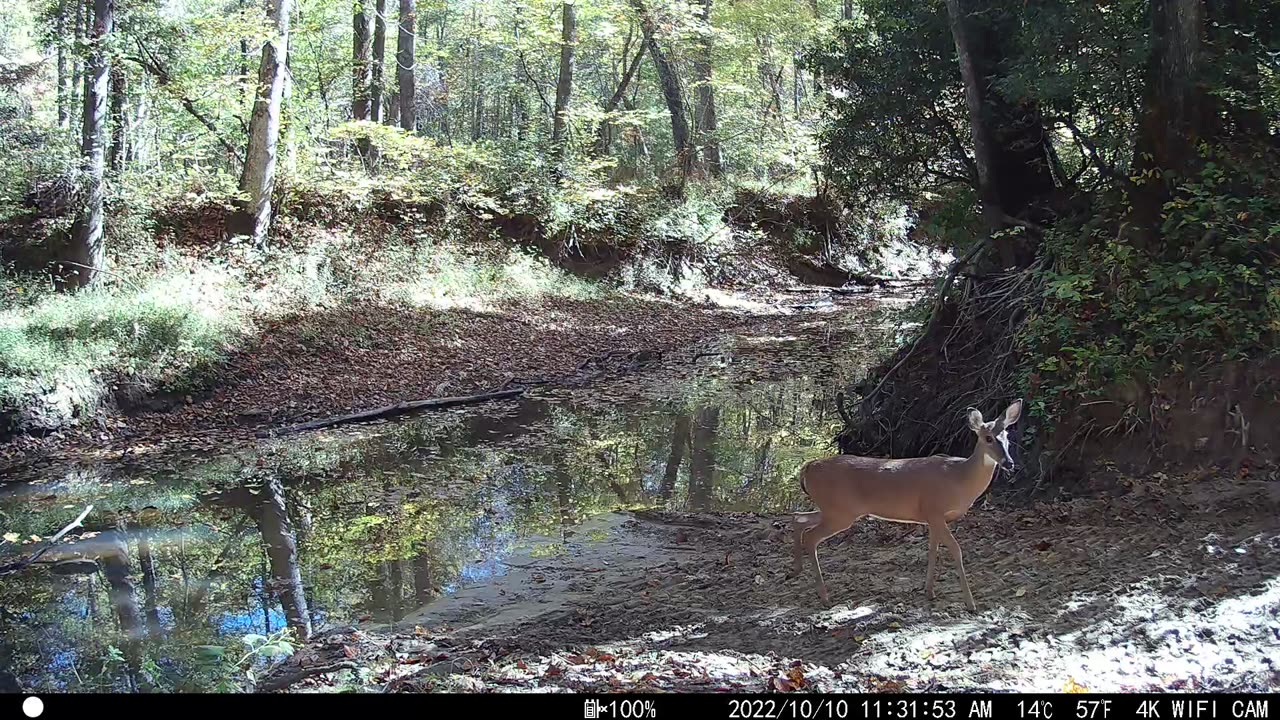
(993, 437)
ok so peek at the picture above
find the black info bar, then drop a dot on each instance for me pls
(806, 706)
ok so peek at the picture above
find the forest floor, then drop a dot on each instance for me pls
(1174, 585)
(355, 358)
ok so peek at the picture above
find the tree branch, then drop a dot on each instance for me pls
(14, 567)
(1104, 167)
(524, 68)
(152, 65)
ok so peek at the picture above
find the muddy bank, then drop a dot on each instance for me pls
(1171, 587)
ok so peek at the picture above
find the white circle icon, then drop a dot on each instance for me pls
(32, 707)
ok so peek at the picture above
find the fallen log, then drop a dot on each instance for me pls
(390, 411)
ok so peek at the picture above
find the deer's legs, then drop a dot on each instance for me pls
(812, 538)
(799, 524)
(950, 541)
(933, 564)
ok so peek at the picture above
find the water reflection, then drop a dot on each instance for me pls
(377, 522)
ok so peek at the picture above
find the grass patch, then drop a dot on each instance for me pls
(164, 320)
(63, 355)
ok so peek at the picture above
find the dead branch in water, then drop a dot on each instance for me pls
(14, 567)
(396, 410)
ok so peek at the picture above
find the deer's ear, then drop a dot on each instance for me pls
(1013, 412)
(975, 419)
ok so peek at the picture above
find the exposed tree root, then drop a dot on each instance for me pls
(913, 403)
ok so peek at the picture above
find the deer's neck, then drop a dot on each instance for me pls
(979, 469)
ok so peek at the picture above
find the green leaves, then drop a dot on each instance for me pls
(210, 654)
(1115, 310)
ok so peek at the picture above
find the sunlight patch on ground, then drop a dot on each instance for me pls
(1134, 640)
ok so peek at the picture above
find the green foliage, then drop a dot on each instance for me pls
(898, 123)
(224, 666)
(1116, 309)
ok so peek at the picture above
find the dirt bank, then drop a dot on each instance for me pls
(1171, 586)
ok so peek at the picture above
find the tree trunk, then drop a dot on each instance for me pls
(1174, 117)
(124, 599)
(564, 83)
(423, 587)
(1009, 141)
(605, 133)
(78, 6)
(846, 12)
(564, 501)
(282, 551)
(150, 590)
(395, 588)
(702, 458)
(119, 121)
(379, 53)
(245, 82)
(705, 110)
(672, 91)
(407, 67)
(257, 181)
(60, 27)
(1230, 32)
(360, 49)
(679, 439)
(392, 116)
(88, 249)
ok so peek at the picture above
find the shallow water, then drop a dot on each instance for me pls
(181, 562)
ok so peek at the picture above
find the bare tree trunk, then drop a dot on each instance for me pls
(119, 121)
(245, 82)
(392, 116)
(846, 12)
(679, 439)
(564, 83)
(60, 27)
(407, 67)
(88, 248)
(360, 48)
(1008, 139)
(73, 92)
(282, 550)
(1174, 117)
(672, 91)
(705, 110)
(702, 458)
(379, 53)
(257, 181)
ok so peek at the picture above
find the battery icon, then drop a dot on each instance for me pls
(591, 709)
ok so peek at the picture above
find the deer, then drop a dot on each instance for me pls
(931, 491)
